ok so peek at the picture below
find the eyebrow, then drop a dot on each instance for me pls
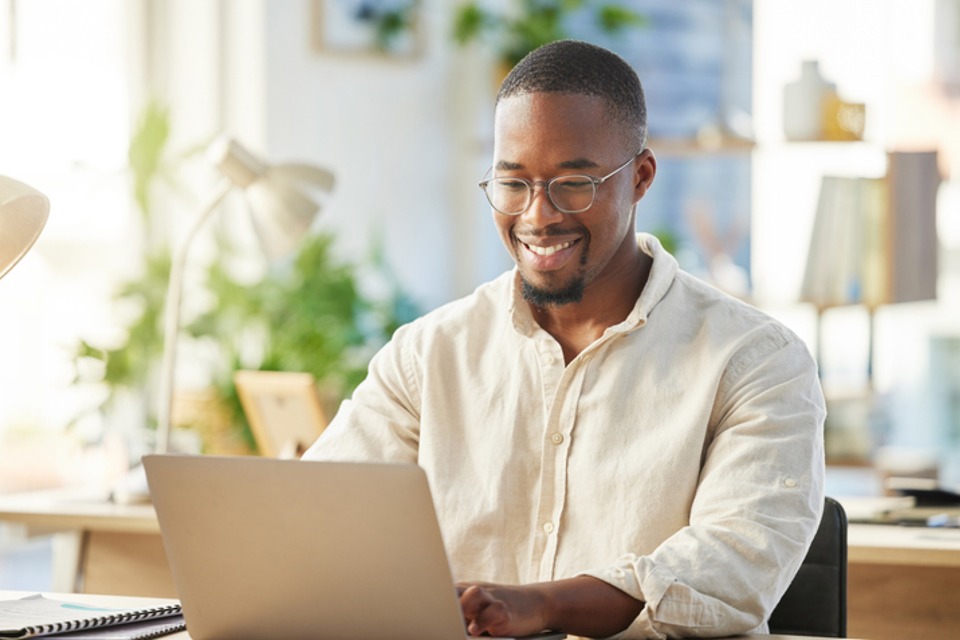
(578, 163)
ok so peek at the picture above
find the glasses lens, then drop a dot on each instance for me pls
(572, 194)
(508, 195)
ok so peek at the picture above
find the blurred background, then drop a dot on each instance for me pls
(808, 155)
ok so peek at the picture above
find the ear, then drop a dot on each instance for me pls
(644, 172)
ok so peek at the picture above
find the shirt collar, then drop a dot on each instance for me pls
(662, 273)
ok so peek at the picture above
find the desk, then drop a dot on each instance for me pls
(99, 547)
(127, 601)
(903, 582)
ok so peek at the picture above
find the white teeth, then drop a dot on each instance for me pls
(548, 251)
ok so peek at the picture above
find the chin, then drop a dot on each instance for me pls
(538, 296)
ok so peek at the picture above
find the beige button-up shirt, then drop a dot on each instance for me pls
(678, 458)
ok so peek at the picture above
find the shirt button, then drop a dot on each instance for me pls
(790, 483)
(548, 527)
(557, 438)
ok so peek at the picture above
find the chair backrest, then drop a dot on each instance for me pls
(815, 604)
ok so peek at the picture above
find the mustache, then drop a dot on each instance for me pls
(546, 232)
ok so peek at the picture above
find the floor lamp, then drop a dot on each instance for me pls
(282, 212)
(23, 213)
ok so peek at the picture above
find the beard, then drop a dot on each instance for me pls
(540, 297)
(570, 293)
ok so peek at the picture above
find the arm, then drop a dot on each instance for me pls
(581, 606)
(756, 507)
(381, 422)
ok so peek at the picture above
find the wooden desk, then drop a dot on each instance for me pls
(101, 547)
(134, 602)
(903, 582)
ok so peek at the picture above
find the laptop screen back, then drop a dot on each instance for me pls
(263, 548)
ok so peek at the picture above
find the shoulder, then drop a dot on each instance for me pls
(747, 330)
(487, 307)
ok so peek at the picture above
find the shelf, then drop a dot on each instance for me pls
(701, 145)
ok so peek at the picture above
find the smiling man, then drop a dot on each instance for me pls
(612, 445)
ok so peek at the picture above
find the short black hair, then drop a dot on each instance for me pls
(581, 68)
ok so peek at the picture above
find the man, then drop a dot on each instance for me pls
(611, 444)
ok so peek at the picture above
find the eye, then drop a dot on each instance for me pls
(574, 183)
(510, 184)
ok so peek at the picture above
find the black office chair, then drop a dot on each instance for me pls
(815, 604)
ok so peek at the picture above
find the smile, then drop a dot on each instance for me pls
(550, 250)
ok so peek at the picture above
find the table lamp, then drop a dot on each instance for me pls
(23, 213)
(282, 213)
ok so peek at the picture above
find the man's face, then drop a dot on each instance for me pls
(542, 135)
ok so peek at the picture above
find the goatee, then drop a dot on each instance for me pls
(539, 297)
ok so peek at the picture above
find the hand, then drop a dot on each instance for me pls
(502, 610)
(581, 606)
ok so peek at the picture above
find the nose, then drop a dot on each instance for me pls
(541, 210)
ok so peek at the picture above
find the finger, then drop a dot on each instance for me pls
(491, 619)
(472, 600)
(481, 610)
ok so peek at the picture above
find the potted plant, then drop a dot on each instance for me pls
(310, 314)
(532, 23)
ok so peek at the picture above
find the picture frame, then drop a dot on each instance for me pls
(384, 28)
(284, 409)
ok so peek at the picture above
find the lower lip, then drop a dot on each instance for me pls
(548, 263)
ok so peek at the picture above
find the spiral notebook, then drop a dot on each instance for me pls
(39, 616)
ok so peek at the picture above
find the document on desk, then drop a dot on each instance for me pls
(39, 616)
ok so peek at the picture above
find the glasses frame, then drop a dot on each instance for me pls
(547, 184)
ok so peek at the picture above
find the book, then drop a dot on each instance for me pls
(38, 616)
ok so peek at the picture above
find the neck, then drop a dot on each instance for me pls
(607, 301)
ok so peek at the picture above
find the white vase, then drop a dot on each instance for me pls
(803, 103)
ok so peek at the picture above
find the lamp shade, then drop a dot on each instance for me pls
(23, 213)
(281, 209)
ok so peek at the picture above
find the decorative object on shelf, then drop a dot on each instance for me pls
(23, 214)
(843, 121)
(387, 27)
(814, 110)
(804, 101)
(531, 23)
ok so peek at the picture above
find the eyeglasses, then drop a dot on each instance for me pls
(573, 193)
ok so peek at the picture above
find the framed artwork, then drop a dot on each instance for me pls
(284, 410)
(388, 28)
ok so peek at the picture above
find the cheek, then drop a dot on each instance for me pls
(503, 227)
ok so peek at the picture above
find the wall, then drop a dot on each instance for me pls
(403, 135)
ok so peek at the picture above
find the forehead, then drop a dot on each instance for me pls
(555, 126)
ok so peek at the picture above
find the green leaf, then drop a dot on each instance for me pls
(146, 149)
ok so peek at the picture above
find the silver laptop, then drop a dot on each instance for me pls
(263, 548)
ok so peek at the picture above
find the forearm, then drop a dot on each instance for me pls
(586, 606)
(583, 606)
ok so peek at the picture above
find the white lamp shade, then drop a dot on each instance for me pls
(281, 209)
(23, 213)
(282, 214)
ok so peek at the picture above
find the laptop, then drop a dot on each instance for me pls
(264, 548)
